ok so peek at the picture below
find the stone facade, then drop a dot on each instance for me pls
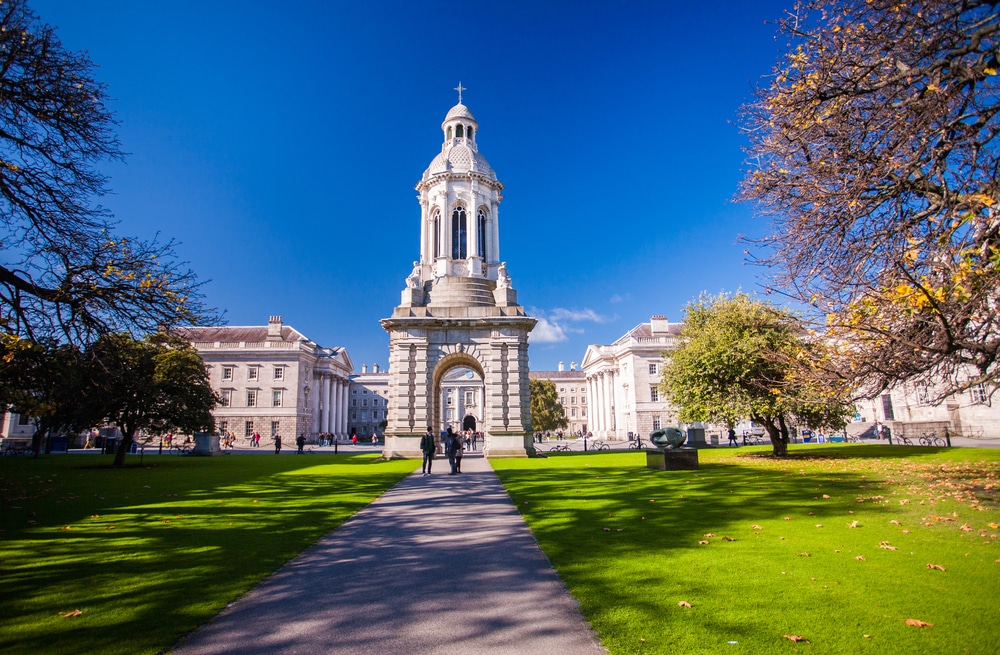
(369, 403)
(572, 388)
(459, 309)
(273, 380)
(622, 381)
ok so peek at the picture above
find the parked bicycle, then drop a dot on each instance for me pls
(931, 439)
(638, 444)
(600, 445)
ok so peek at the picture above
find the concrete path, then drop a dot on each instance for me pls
(441, 564)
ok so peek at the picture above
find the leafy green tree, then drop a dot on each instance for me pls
(874, 151)
(158, 384)
(547, 413)
(43, 381)
(737, 359)
(64, 272)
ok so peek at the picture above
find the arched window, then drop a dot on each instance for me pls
(437, 233)
(459, 234)
(481, 233)
(469, 131)
(458, 131)
(449, 132)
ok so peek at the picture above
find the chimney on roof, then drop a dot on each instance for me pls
(375, 368)
(364, 369)
(562, 367)
(572, 366)
(274, 328)
(659, 325)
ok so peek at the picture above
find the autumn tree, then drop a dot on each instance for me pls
(547, 413)
(874, 151)
(735, 359)
(64, 272)
(158, 384)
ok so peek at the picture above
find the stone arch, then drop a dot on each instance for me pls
(460, 359)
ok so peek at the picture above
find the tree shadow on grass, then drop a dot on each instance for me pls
(149, 554)
(661, 533)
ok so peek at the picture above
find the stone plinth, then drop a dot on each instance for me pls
(667, 459)
(505, 296)
(696, 438)
(206, 444)
(411, 297)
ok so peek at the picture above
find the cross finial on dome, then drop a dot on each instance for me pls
(460, 88)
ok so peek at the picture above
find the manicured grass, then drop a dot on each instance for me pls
(781, 557)
(147, 554)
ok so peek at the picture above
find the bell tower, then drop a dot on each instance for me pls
(459, 308)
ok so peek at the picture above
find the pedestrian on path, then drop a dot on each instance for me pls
(427, 447)
(300, 441)
(277, 444)
(451, 444)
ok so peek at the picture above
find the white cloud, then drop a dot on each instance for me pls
(546, 332)
(561, 314)
(617, 298)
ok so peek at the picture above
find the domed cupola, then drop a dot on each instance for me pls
(459, 198)
(459, 152)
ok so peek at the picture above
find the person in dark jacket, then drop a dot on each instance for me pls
(427, 447)
(451, 444)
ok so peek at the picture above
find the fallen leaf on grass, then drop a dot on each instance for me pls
(825, 496)
(867, 636)
(895, 522)
(709, 534)
(788, 518)
(803, 555)
(994, 525)
(819, 525)
(683, 603)
(917, 623)
(887, 545)
(965, 528)
(756, 527)
(703, 542)
(861, 558)
(935, 566)
(111, 527)
(906, 532)
(853, 524)
(729, 539)
(796, 638)
(66, 527)
(68, 614)
(607, 529)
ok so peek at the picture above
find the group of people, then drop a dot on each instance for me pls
(454, 447)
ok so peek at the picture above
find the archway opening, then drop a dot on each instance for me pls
(460, 399)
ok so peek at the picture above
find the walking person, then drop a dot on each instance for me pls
(277, 444)
(450, 445)
(459, 447)
(300, 441)
(732, 437)
(427, 447)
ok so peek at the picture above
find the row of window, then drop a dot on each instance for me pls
(253, 372)
(376, 402)
(253, 397)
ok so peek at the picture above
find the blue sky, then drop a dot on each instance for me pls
(280, 142)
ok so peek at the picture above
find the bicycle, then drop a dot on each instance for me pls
(931, 439)
(560, 448)
(904, 441)
(600, 445)
(639, 444)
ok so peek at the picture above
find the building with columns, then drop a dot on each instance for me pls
(369, 403)
(459, 308)
(622, 381)
(273, 380)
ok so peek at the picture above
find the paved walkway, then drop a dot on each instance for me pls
(442, 564)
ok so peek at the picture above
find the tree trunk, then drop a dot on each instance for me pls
(779, 441)
(37, 439)
(123, 448)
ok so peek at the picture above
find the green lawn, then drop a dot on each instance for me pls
(148, 553)
(833, 547)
